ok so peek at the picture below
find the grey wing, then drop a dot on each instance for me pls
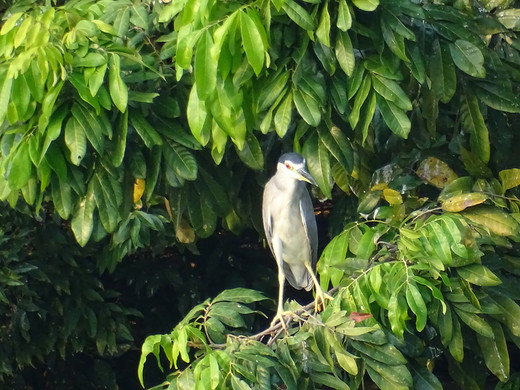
(268, 222)
(309, 224)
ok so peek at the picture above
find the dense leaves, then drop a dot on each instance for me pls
(148, 121)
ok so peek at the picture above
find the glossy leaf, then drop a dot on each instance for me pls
(205, 68)
(252, 42)
(345, 53)
(338, 145)
(442, 72)
(148, 134)
(251, 154)
(496, 220)
(468, 58)
(479, 275)
(318, 163)
(117, 87)
(298, 14)
(510, 178)
(394, 117)
(436, 172)
(82, 223)
(76, 140)
(283, 115)
(461, 202)
(308, 107)
(323, 30)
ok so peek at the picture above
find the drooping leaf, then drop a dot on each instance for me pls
(75, 140)
(82, 223)
(442, 72)
(474, 123)
(117, 87)
(394, 117)
(205, 69)
(345, 53)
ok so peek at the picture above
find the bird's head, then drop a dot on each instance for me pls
(293, 165)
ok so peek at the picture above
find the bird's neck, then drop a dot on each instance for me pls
(289, 184)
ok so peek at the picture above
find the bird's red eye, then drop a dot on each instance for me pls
(287, 165)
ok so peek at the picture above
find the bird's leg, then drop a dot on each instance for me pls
(279, 312)
(320, 295)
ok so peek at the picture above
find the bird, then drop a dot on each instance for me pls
(290, 228)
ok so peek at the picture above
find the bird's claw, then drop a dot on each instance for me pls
(280, 317)
(319, 301)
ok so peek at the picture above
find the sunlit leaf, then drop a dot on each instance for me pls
(436, 172)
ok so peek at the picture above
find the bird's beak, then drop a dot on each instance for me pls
(306, 176)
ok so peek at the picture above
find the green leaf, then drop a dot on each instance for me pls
(510, 178)
(318, 163)
(475, 322)
(205, 68)
(496, 220)
(366, 5)
(5, 96)
(148, 134)
(239, 384)
(391, 91)
(338, 145)
(252, 42)
(226, 312)
(344, 21)
(394, 41)
(202, 216)
(10, 23)
(240, 295)
(61, 197)
(298, 15)
(438, 239)
(345, 53)
(329, 380)
(385, 353)
(93, 125)
(361, 95)
(468, 58)
(479, 275)
(283, 115)
(107, 209)
(21, 167)
(75, 140)
(180, 160)
(442, 72)
(497, 96)
(251, 154)
(121, 131)
(473, 122)
(424, 379)
(323, 30)
(82, 222)
(416, 303)
(117, 87)
(495, 353)
(308, 107)
(394, 117)
(510, 18)
(197, 118)
(510, 311)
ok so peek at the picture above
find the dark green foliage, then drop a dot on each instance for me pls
(150, 126)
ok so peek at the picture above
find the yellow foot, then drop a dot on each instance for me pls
(319, 301)
(280, 316)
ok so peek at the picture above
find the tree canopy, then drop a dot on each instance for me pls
(138, 131)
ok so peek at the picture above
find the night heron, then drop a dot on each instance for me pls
(290, 228)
